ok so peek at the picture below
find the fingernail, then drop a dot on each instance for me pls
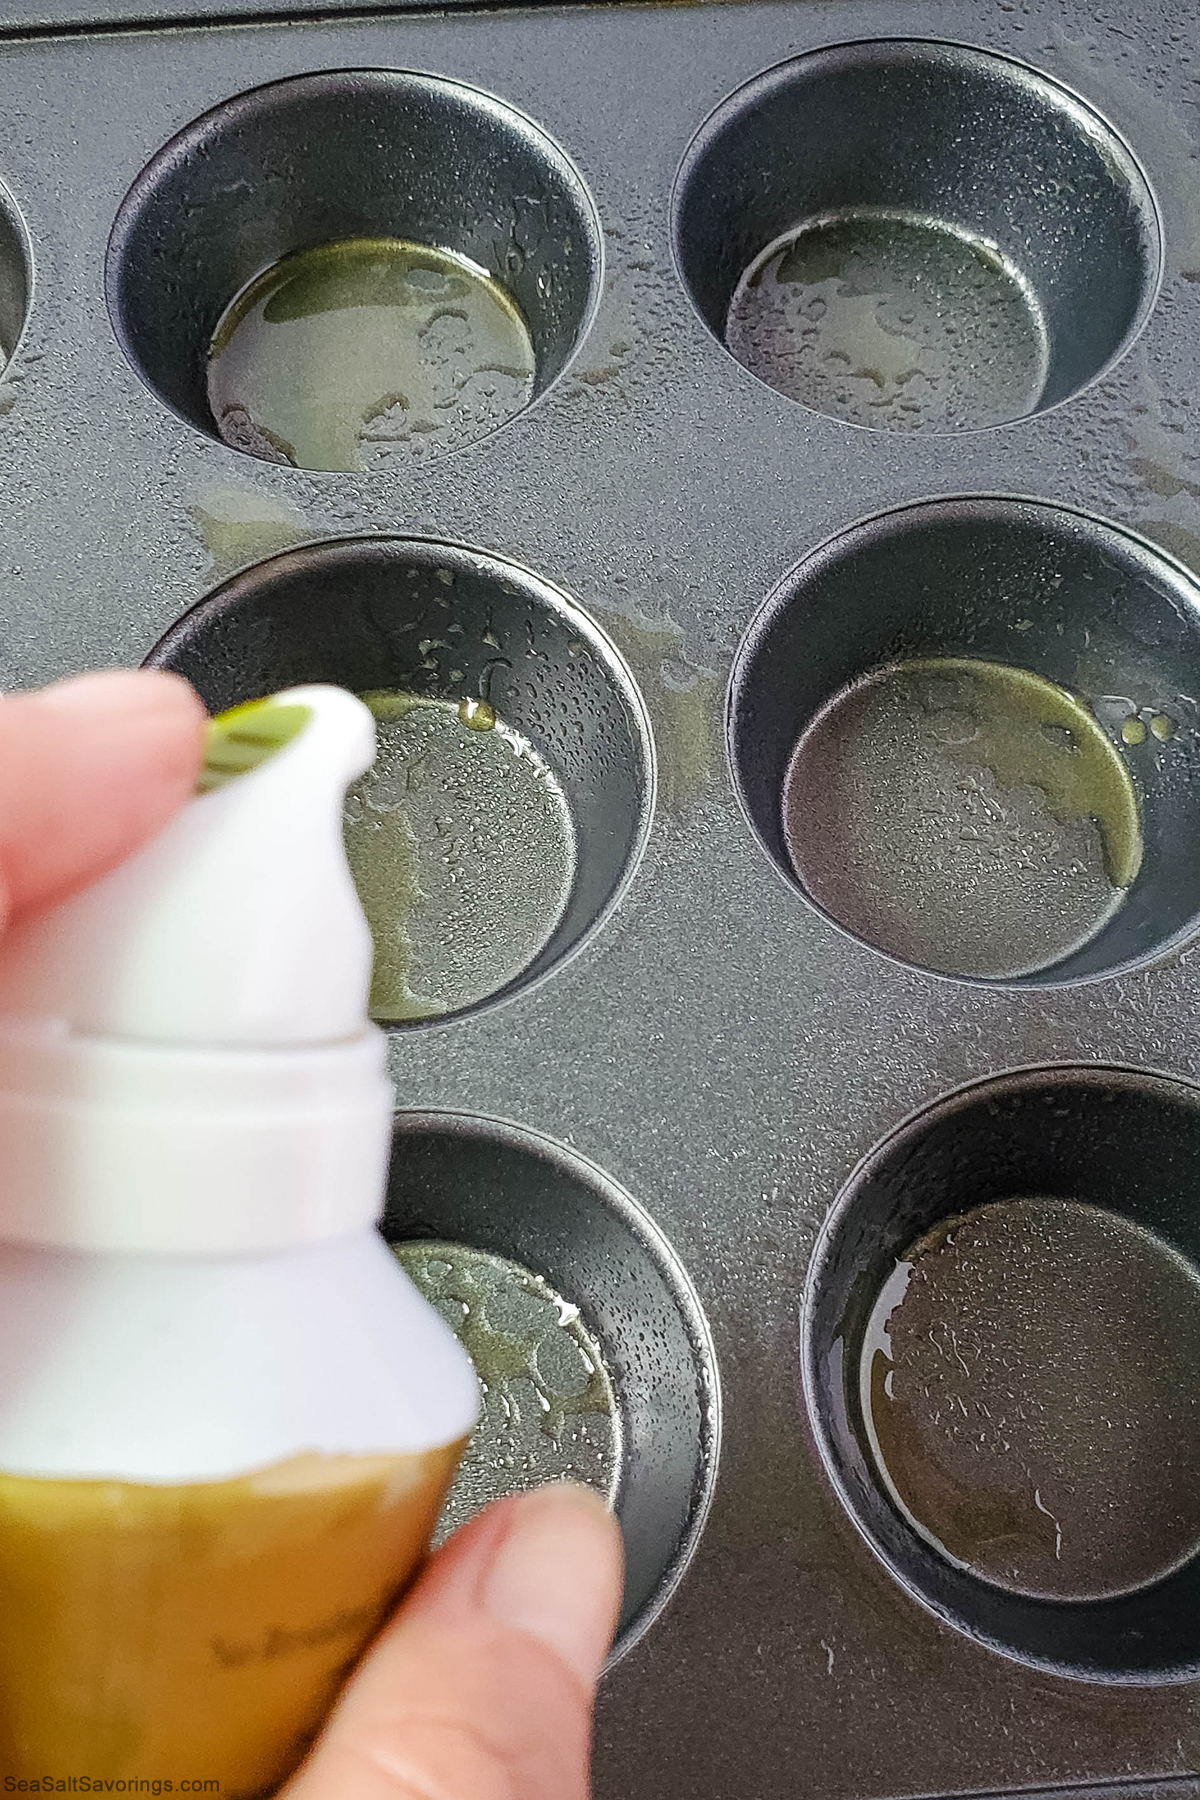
(556, 1573)
(106, 693)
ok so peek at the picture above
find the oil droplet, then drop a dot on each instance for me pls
(892, 320)
(1163, 727)
(353, 353)
(239, 526)
(477, 715)
(683, 697)
(1028, 1385)
(1133, 731)
(548, 1408)
(963, 815)
(461, 842)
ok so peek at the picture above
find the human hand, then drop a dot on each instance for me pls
(481, 1686)
(89, 770)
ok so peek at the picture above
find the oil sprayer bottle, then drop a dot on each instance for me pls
(227, 1420)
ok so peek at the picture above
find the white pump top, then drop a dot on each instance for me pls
(186, 1064)
(237, 924)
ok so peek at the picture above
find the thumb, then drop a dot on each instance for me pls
(481, 1687)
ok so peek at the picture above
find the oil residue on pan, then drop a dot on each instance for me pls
(346, 355)
(548, 1408)
(890, 320)
(908, 235)
(1029, 1390)
(462, 845)
(968, 817)
(581, 1324)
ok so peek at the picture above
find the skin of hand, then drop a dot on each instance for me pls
(481, 1685)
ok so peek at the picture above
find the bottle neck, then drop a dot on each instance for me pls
(124, 1147)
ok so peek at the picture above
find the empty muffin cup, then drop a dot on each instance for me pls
(967, 732)
(916, 236)
(514, 778)
(354, 269)
(999, 1344)
(503, 1229)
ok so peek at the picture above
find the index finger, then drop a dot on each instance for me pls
(90, 769)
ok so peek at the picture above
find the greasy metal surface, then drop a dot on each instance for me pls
(1035, 587)
(480, 1183)
(718, 1049)
(365, 154)
(862, 129)
(1131, 1145)
(433, 619)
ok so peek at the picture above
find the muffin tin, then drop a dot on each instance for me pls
(469, 1181)
(1130, 1143)
(1039, 587)
(660, 1115)
(421, 617)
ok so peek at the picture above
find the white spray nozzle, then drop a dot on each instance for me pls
(186, 1062)
(239, 923)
